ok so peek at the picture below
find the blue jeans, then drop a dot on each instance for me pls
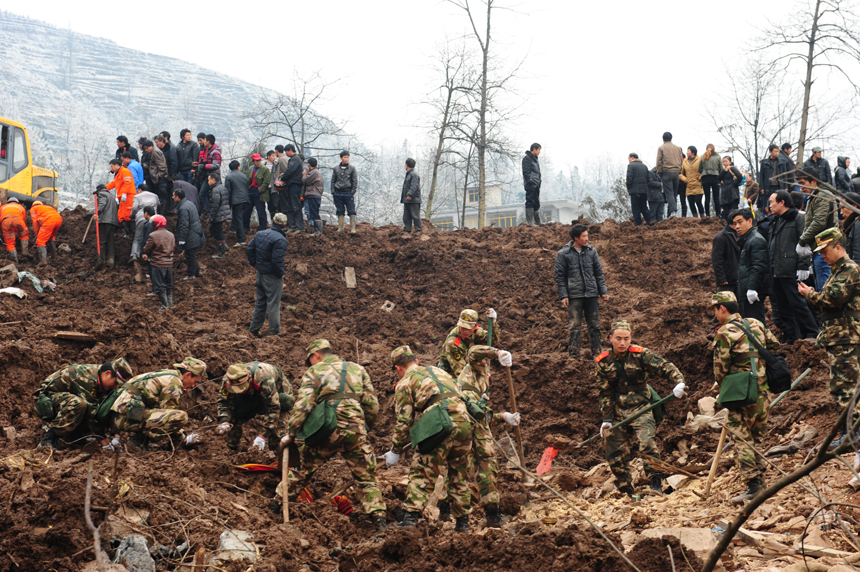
(639, 204)
(821, 269)
(312, 204)
(344, 204)
(204, 196)
(186, 176)
(255, 203)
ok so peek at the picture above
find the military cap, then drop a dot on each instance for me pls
(723, 297)
(817, 150)
(193, 365)
(620, 325)
(280, 219)
(468, 319)
(237, 378)
(826, 237)
(317, 345)
(122, 369)
(403, 351)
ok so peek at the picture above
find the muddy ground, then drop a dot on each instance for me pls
(659, 279)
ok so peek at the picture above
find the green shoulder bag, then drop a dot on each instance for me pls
(739, 389)
(434, 425)
(322, 421)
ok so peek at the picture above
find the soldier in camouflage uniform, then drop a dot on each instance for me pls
(148, 404)
(621, 376)
(69, 397)
(419, 390)
(733, 353)
(357, 409)
(839, 304)
(248, 390)
(460, 339)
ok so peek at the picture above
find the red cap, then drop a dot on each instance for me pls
(256, 157)
(159, 221)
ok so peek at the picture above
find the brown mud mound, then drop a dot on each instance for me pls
(659, 278)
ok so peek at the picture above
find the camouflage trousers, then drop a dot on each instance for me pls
(157, 423)
(750, 423)
(273, 436)
(844, 375)
(359, 457)
(70, 411)
(484, 465)
(620, 443)
(454, 453)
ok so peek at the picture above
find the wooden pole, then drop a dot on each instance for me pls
(84, 239)
(285, 484)
(716, 462)
(514, 410)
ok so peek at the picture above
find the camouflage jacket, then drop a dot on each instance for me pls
(410, 401)
(455, 349)
(732, 349)
(616, 391)
(474, 380)
(267, 382)
(77, 379)
(839, 303)
(324, 379)
(158, 390)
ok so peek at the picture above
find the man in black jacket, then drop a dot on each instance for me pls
(637, 187)
(772, 166)
(725, 258)
(162, 141)
(292, 197)
(531, 182)
(239, 190)
(410, 197)
(122, 146)
(820, 163)
(187, 153)
(579, 279)
(344, 184)
(788, 269)
(842, 177)
(189, 232)
(266, 253)
(754, 277)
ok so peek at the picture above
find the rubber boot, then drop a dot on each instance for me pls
(13, 256)
(340, 219)
(462, 524)
(42, 253)
(101, 262)
(109, 262)
(657, 483)
(754, 486)
(170, 299)
(138, 271)
(494, 516)
(318, 228)
(379, 521)
(52, 248)
(137, 442)
(222, 248)
(24, 245)
(352, 224)
(627, 491)
(444, 510)
(530, 217)
(162, 296)
(48, 439)
(410, 519)
(536, 217)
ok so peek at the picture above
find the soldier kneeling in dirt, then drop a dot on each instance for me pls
(621, 374)
(68, 397)
(148, 404)
(248, 390)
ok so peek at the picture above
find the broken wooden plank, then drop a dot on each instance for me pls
(75, 336)
(349, 276)
(775, 541)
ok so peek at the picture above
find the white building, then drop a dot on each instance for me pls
(503, 216)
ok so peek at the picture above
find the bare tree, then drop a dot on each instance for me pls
(618, 207)
(818, 34)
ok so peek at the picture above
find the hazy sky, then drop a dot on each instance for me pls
(598, 76)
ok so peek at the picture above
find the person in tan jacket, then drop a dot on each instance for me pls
(312, 181)
(693, 178)
(669, 160)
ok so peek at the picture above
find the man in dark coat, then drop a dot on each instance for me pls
(772, 166)
(190, 190)
(266, 253)
(291, 198)
(821, 164)
(410, 197)
(788, 269)
(531, 183)
(580, 281)
(189, 232)
(637, 187)
(754, 277)
(725, 258)
(170, 156)
(108, 223)
(239, 191)
(842, 176)
(187, 153)
(122, 146)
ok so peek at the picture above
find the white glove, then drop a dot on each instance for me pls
(604, 429)
(223, 428)
(802, 275)
(492, 314)
(857, 461)
(505, 358)
(803, 250)
(122, 198)
(259, 443)
(108, 447)
(678, 391)
(752, 296)
(511, 418)
(391, 458)
(181, 243)
(115, 442)
(192, 439)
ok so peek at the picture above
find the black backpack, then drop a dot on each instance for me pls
(777, 370)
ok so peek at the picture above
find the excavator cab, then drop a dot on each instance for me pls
(19, 178)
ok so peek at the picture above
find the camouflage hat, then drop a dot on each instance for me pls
(620, 325)
(193, 365)
(123, 370)
(468, 319)
(826, 237)
(723, 297)
(317, 345)
(400, 352)
(237, 378)
(280, 219)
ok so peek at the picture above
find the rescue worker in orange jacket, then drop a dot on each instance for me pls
(123, 182)
(46, 222)
(13, 225)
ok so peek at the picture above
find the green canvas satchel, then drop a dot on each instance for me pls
(739, 389)
(434, 425)
(322, 421)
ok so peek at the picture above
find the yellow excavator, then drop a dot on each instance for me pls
(19, 178)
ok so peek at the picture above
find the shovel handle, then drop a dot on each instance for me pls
(517, 429)
(285, 469)
(716, 462)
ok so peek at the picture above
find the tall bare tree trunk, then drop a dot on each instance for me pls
(807, 85)
(482, 147)
(437, 158)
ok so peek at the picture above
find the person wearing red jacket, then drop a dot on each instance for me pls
(46, 222)
(123, 182)
(13, 225)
